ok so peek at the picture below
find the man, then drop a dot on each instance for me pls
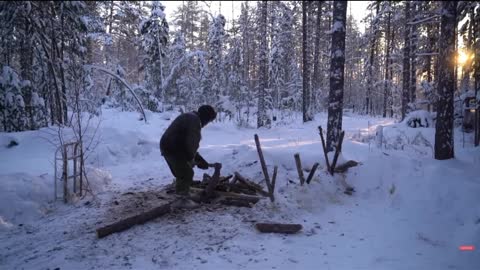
(179, 145)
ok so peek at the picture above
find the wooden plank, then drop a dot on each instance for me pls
(278, 228)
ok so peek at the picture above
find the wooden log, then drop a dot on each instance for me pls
(250, 198)
(134, 220)
(337, 152)
(250, 184)
(345, 166)
(238, 188)
(298, 163)
(278, 228)
(235, 202)
(264, 167)
(324, 147)
(212, 184)
(312, 172)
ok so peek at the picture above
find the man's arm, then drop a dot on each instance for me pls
(192, 139)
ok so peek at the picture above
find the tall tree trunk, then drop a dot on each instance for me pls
(337, 69)
(263, 119)
(444, 144)
(62, 70)
(406, 62)
(413, 58)
(387, 62)
(316, 64)
(390, 102)
(476, 37)
(368, 97)
(306, 63)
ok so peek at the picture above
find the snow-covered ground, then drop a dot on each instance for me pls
(409, 211)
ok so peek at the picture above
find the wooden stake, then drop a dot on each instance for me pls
(274, 178)
(312, 172)
(324, 148)
(298, 162)
(337, 152)
(264, 167)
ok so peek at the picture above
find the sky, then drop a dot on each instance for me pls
(232, 8)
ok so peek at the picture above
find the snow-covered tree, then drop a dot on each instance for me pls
(264, 103)
(154, 32)
(216, 43)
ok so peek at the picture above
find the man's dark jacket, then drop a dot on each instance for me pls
(181, 140)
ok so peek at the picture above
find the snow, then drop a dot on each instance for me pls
(408, 210)
(337, 27)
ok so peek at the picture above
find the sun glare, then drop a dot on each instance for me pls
(462, 57)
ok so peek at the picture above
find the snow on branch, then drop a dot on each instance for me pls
(120, 79)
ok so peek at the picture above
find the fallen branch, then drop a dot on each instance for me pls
(278, 228)
(345, 166)
(251, 185)
(312, 172)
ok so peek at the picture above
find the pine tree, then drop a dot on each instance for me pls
(337, 69)
(154, 42)
(216, 40)
(444, 146)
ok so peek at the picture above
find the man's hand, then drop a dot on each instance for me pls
(201, 162)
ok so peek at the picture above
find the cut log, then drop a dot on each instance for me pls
(337, 152)
(134, 220)
(324, 147)
(312, 172)
(278, 228)
(264, 167)
(212, 184)
(250, 184)
(298, 163)
(345, 166)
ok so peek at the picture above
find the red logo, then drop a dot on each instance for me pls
(467, 248)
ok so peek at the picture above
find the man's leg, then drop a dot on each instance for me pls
(183, 172)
